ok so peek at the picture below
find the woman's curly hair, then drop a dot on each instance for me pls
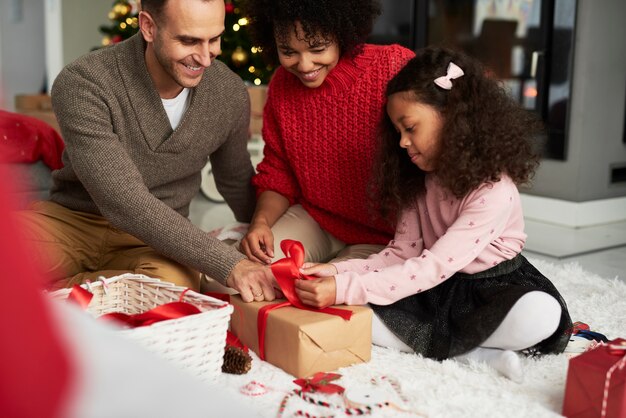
(485, 132)
(347, 22)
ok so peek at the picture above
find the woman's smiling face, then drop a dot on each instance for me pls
(311, 60)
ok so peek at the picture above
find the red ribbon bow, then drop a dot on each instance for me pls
(320, 382)
(286, 271)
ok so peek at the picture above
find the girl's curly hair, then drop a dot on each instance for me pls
(347, 22)
(485, 132)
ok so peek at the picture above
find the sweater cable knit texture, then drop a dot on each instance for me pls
(320, 143)
(124, 162)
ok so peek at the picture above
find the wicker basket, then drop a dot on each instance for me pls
(195, 342)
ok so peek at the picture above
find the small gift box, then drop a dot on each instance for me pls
(303, 342)
(596, 383)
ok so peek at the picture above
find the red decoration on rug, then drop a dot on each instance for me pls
(578, 326)
(254, 388)
(320, 382)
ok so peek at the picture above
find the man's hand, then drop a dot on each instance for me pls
(319, 293)
(254, 281)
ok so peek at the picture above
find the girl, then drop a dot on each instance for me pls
(452, 283)
(325, 103)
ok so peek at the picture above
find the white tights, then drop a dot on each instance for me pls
(532, 319)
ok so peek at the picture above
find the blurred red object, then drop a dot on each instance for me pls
(34, 368)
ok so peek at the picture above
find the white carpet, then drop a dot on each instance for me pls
(450, 389)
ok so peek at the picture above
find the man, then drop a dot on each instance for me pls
(139, 120)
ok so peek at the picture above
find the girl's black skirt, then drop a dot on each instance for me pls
(463, 311)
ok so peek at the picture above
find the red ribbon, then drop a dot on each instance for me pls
(286, 271)
(616, 349)
(80, 296)
(320, 382)
(172, 310)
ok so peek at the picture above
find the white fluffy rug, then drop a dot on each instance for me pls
(450, 389)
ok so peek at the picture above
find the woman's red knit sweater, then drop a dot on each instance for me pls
(320, 143)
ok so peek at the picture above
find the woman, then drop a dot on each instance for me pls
(320, 123)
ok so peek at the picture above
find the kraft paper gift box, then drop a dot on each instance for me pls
(302, 342)
(586, 379)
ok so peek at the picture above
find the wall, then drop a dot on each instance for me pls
(72, 30)
(596, 123)
(22, 53)
(51, 34)
(84, 34)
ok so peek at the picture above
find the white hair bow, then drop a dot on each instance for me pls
(445, 82)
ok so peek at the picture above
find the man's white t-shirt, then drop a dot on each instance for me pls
(176, 107)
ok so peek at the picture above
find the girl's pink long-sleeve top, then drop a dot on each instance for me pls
(441, 236)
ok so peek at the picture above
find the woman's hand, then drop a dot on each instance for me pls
(318, 293)
(258, 244)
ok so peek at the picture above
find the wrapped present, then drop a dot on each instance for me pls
(303, 342)
(596, 383)
(298, 338)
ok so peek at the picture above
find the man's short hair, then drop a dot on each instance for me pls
(155, 7)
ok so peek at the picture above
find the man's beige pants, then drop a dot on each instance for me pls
(72, 247)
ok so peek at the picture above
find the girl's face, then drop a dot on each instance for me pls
(310, 62)
(419, 126)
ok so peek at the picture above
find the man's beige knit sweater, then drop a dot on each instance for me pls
(123, 161)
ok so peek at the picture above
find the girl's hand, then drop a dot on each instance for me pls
(258, 244)
(318, 293)
(318, 269)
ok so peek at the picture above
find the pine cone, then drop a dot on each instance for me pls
(236, 360)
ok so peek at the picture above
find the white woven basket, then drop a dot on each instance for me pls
(195, 342)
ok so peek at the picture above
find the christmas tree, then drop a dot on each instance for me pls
(237, 49)
(125, 24)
